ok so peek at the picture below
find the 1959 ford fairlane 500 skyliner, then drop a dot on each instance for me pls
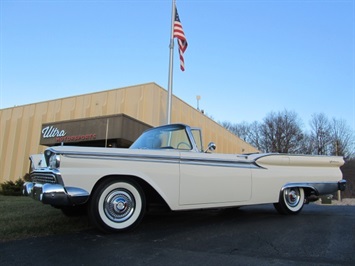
(169, 165)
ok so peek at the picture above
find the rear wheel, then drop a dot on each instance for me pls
(117, 205)
(291, 201)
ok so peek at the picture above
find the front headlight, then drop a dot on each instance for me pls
(54, 161)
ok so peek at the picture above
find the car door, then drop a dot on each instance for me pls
(207, 178)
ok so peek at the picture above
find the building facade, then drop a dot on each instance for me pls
(112, 118)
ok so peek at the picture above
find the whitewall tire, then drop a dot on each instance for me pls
(117, 205)
(291, 201)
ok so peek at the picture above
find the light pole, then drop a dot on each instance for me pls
(198, 98)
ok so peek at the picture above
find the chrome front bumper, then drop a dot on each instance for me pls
(55, 194)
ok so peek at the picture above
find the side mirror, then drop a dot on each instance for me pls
(211, 146)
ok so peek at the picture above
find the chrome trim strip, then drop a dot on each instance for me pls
(221, 163)
(191, 138)
(165, 159)
(125, 157)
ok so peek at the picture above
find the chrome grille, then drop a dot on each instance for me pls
(43, 178)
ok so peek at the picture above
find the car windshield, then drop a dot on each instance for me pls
(170, 137)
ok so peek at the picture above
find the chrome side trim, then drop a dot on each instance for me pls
(221, 163)
(163, 159)
(124, 157)
(170, 159)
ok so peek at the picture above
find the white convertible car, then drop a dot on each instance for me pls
(168, 165)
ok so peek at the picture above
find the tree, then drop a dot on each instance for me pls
(254, 135)
(228, 125)
(342, 139)
(249, 133)
(306, 146)
(281, 132)
(320, 134)
(243, 131)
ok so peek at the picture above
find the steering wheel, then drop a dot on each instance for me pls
(184, 143)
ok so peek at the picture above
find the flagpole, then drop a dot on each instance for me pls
(171, 59)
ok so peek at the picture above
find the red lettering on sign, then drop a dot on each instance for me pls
(76, 138)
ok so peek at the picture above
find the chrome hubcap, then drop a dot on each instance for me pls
(119, 205)
(292, 196)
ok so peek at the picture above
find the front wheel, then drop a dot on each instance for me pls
(291, 201)
(117, 205)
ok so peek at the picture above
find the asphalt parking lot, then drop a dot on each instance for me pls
(319, 235)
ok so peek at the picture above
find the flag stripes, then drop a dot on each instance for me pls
(181, 39)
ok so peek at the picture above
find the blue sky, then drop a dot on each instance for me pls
(245, 58)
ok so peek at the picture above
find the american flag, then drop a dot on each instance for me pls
(180, 35)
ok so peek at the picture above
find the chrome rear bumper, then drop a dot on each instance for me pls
(55, 194)
(342, 185)
(320, 188)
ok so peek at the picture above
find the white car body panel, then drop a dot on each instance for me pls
(213, 179)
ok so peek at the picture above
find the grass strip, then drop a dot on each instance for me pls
(22, 217)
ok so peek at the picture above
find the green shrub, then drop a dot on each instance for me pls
(10, 188)
(27, 177)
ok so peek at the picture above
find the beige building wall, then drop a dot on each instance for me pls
(21, 126)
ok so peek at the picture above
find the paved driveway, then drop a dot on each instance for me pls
(319, 235)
